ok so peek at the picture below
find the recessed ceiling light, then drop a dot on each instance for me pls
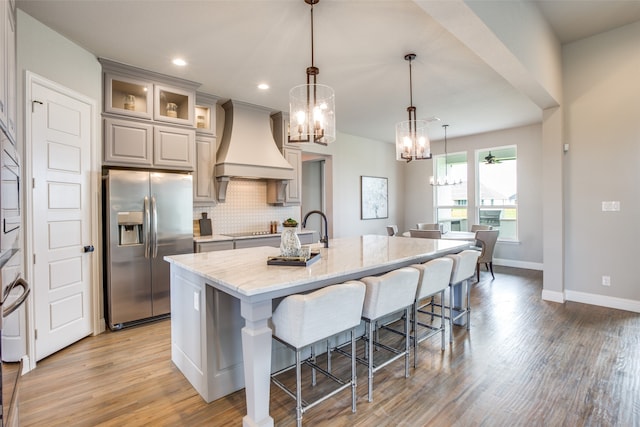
(263, 86)
(179, 62)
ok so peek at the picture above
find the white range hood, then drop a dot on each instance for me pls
(248, 149)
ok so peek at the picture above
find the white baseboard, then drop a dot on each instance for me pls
(26, 364)
(552, 296)
(603, 301)
(518, 264)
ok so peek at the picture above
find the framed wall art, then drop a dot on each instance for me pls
(374, 197)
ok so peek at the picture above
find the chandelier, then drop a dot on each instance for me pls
(412, 141)
(440, 182)
(312, 106)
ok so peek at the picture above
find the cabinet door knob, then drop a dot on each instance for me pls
(89, 248)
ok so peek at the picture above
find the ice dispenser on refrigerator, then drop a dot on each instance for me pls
(130, 228)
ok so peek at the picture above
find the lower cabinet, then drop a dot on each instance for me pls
(222, 245)
(262, 241)
(274, 241)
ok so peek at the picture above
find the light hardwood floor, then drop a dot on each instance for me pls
(525, 362)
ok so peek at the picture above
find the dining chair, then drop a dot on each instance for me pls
(392, 230)
(487, 240)
(300, 321)
(426, 234)
(476, 227)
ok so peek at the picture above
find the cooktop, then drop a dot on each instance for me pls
(250, 233)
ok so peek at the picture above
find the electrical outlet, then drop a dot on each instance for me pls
(196, 301)
(613, 206)
(606, 280)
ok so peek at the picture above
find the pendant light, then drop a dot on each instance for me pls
(412, 141)
(312, 106)
(440, 182)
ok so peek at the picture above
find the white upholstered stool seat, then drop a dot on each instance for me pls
(302, 320)
(434, 279)
(387, 294)
(464, 267)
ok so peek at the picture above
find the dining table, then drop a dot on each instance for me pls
(221, 303)
(452, 235)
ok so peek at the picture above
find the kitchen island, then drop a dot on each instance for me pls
(221, 303)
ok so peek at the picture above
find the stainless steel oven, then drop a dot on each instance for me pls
(14, 290)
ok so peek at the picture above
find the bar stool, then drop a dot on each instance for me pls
(464, 267)
(434, 279)
(302, 320)
(390, 293)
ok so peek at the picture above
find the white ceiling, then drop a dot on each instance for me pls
(232, 45)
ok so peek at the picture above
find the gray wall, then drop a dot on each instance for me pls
(602, 128)
(54, 57)
(352, 157)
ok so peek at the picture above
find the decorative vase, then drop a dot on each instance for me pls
(289, 242)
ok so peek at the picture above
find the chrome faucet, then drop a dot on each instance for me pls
(324, 239)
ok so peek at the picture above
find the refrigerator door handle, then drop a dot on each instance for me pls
(147, 227)
(155, 226)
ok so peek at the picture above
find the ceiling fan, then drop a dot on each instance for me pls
(491, 159)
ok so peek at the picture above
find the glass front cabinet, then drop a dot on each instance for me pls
(149, 118)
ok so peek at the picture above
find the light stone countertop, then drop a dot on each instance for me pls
(245, 274)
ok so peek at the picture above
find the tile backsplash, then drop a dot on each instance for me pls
(245, 209)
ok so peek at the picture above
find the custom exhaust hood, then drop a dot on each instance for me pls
(248, 149)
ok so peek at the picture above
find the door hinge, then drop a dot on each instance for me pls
(33, 103)
(34, 258)
(35, 333)
(33, 183)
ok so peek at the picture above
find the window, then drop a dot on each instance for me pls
(451, 200)
(498, 190)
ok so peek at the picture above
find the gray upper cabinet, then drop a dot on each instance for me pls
(204, 193)
(277, 194)
(128, 96)
(4, 23)
(174, 148)
(173, 105)
(203, 179)
(8, 100)
(149, 118)
(128, 142)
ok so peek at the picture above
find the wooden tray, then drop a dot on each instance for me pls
(293, 261)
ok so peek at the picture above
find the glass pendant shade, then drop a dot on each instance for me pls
(312, 114)
(412, 141)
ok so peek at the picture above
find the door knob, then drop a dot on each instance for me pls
(89, 248)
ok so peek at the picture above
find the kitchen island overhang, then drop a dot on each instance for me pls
(221, 303)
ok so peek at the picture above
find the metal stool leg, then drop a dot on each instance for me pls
(298, 390)
(468, 304)
(406, 342)
(353, 371)
(370, 349)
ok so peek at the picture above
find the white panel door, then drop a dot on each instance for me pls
(61, 138)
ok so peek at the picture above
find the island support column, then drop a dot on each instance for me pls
(256, 352)
(458, 298)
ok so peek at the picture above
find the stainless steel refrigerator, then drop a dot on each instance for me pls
(147, 215)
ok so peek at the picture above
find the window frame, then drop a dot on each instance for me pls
(436, 206)
(480, 153)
